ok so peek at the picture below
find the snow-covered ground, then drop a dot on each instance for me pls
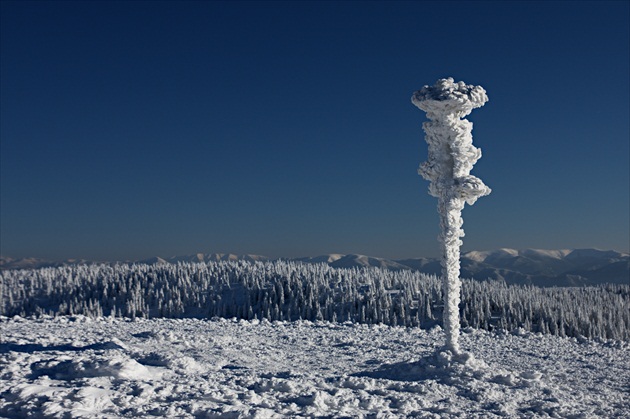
(81, 367)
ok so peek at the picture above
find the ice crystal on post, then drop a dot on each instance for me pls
(450, 160)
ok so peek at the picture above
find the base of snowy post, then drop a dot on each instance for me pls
(450, 160)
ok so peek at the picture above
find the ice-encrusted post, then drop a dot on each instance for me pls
(451, 158)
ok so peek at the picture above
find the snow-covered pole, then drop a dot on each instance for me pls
(451, 158)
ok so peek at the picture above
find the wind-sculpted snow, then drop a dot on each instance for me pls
(291, 291)
(73, 366)
(450, 159)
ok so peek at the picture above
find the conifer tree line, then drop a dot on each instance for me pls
(286, 290)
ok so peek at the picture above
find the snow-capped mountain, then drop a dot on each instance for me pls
(207, 257)
(34, 263)
(360, 261)
(529, 266)
(548, 267)
(329, 258)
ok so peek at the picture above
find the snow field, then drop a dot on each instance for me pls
(81, 367)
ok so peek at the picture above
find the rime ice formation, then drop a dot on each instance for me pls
(451, 158)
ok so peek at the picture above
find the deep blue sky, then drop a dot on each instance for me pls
(130, 130)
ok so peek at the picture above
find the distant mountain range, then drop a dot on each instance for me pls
(205, 257)
(530, 266)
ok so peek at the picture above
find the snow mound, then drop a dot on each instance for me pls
(176, 362)
(117, 366)
(451, 368)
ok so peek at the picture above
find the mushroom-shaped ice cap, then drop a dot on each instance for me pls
(446, 96)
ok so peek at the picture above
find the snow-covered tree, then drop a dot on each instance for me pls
(252, 290)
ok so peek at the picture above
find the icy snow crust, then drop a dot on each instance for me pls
(106, 368)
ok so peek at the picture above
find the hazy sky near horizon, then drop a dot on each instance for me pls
(136, 129)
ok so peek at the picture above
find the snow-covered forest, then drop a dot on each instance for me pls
(282, 290)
